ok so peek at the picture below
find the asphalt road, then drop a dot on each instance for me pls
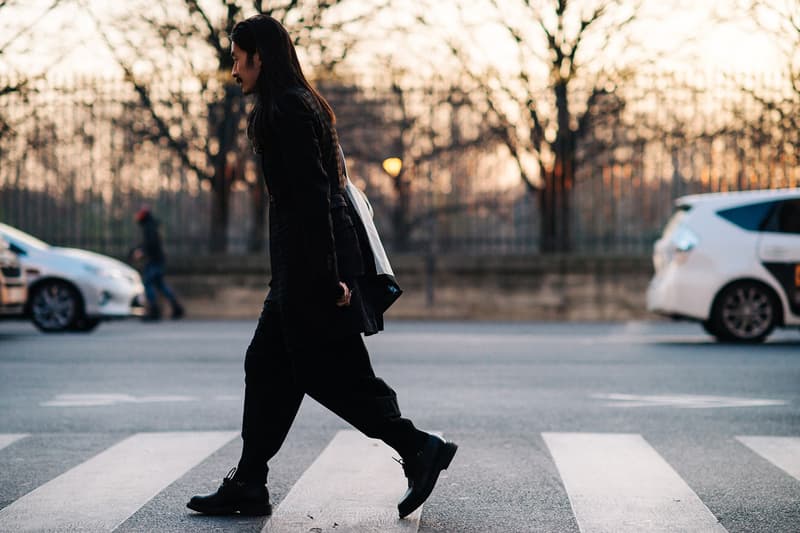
(495, 388)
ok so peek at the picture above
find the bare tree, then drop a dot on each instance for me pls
(422, 122)
(781, 20)
(189, 39)
(778, 123)
(18, 39)
(570, 56)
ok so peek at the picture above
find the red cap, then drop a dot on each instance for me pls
(142, 213)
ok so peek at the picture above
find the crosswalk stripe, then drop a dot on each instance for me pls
(353, 486)
(101, 493)
(10, 438)
(619, 483)
(783, 452)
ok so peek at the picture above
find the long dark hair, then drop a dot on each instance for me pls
(280, 70)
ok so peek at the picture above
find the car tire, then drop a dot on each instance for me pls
(85, 324)
(708, 327)
(744, 312)
(55, 306)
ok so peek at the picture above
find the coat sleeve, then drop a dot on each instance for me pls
(309, 192)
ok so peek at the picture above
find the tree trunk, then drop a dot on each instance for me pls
(547, 235)
(400, 223)
(258, 202)
(225, 130)
(555, 196)
(219, 216)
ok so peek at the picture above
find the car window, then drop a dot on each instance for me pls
(783, 218)
(17, 249)
(789, 217)
(750, 217)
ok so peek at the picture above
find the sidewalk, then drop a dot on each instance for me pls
(466, 288)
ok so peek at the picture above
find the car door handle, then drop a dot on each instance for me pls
(776, 252)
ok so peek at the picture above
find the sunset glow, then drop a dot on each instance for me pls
(684, 33)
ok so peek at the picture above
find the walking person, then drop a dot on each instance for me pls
(308, 337)
(152, 253)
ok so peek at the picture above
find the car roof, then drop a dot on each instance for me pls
(731, 199)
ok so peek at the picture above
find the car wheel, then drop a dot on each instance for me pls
(55, 306)
(744, 312)
(85, 324)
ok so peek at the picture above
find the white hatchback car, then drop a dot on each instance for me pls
(71, 289)
(732, 262)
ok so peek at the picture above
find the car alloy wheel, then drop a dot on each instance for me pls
(55, 305)
(745, 312)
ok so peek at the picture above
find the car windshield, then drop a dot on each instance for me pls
(22, 239)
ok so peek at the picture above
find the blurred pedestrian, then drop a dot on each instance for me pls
(308, 338)
(151, 252)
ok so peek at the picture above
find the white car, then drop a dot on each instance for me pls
(732, 262)
(71, 289)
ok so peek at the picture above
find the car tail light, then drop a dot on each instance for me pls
(683, 242)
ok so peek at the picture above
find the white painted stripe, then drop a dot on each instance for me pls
(353, 486)
(783, 452)
(684, 401)
(101, 493)
(10, 438)
(619, 483)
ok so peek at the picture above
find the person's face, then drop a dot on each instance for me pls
(244, 74)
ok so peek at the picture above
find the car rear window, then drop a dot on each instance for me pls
(749, 217)
(784, 218)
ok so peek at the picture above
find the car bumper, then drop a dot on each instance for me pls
(679, 291)
(113, 298)
(12, 298)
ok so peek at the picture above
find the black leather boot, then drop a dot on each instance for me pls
(232, 497)
(177, 311)
(422, 471)
(153, 315)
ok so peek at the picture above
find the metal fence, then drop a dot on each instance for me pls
(73, 174)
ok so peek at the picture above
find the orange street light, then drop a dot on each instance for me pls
(393, 166)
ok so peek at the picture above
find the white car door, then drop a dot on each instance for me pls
(779, 251)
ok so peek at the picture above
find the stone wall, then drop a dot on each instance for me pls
(484, 288)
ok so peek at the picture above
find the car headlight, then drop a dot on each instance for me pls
(110, 273)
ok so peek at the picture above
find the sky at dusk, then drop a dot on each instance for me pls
(686, 37)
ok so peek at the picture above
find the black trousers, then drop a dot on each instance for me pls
(336, 373)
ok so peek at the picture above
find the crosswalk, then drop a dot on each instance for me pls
(99, 494)
(618, 482)
(615, 482)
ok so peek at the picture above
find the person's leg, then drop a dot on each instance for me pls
(160, 283)
(149, 277)
(271, 403)
(347, 385)
(339, 375)
(271, 398)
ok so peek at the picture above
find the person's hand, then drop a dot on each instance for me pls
(137, 254)
(344, 299)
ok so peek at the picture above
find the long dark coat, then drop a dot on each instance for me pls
(151, 240)
(313, 239)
